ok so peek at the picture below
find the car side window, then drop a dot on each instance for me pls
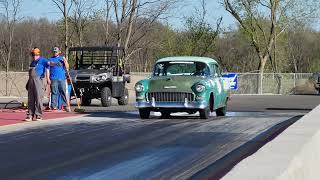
(213, 70)
(218, 71)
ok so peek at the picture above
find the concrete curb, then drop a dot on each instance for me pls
(293, 155)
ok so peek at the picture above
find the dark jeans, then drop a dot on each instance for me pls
(58, 87)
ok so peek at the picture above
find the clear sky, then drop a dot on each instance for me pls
(46, 8)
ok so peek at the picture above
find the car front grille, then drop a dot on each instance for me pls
(170, 96)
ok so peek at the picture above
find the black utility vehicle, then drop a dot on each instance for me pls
(99, 73)
(316, 78)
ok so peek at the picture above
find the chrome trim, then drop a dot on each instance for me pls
(173, 105)
(170, 96)
(170, 87)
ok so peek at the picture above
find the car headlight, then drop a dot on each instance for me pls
(139, 87)
(200, 88)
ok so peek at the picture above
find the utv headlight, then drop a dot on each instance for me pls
(100, 77)
(139, 87)
(200, 88)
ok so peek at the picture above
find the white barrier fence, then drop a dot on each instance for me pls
(274, 83)
(13, 83)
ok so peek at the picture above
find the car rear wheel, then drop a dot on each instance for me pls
(123, 100)
(144, 113)
(204, 113)
(106, 98)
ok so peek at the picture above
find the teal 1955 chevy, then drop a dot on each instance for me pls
(183, 84)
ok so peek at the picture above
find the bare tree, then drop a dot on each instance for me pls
(11, 9)
(277, 13)
(82, 11)
(106, 24)
(130, 28)
(202, 34)
(64, 7)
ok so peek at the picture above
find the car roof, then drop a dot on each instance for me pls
(188, 59)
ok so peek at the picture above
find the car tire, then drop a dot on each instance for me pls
(221, 111)
(85, 101)
(124, 100)
(144, 113)
(204, 113)
(165, 115)
(106, 98)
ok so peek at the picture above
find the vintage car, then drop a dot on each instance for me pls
(183, 84)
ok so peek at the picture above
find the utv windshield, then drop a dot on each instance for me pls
(179, 68)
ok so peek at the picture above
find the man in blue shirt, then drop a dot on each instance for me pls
(35, 86)
(58, 65)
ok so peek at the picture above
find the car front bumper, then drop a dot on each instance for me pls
(172, 105)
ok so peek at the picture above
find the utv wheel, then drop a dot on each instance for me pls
(123, 100)
(85, 101)
(204, 113)
(106, 97)
(144, 113)
(221, 111)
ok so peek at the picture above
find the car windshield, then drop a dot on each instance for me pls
(179, 68)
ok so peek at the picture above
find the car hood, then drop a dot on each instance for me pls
(173, 83)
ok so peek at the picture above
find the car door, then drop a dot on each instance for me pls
(215, 80)
(222, 91)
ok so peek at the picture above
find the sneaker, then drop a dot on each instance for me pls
(39, 118)
(66, 109)
(55, 110)
(28, 119)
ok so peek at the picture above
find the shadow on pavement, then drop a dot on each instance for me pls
(221, 167)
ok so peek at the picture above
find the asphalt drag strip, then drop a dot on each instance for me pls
(118, 145)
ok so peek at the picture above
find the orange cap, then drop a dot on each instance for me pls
(35, 51)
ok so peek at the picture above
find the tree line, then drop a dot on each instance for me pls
(270, 36)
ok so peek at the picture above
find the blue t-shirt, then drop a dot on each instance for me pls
(57, 72)
(41, 65)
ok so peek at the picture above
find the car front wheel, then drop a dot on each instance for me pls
(144, 113)
(221, 111)
(165, 114)
(204, 113)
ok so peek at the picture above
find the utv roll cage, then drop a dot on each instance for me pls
(99, 57)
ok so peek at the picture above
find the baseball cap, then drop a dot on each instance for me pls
(35, 51)
(56, 49)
